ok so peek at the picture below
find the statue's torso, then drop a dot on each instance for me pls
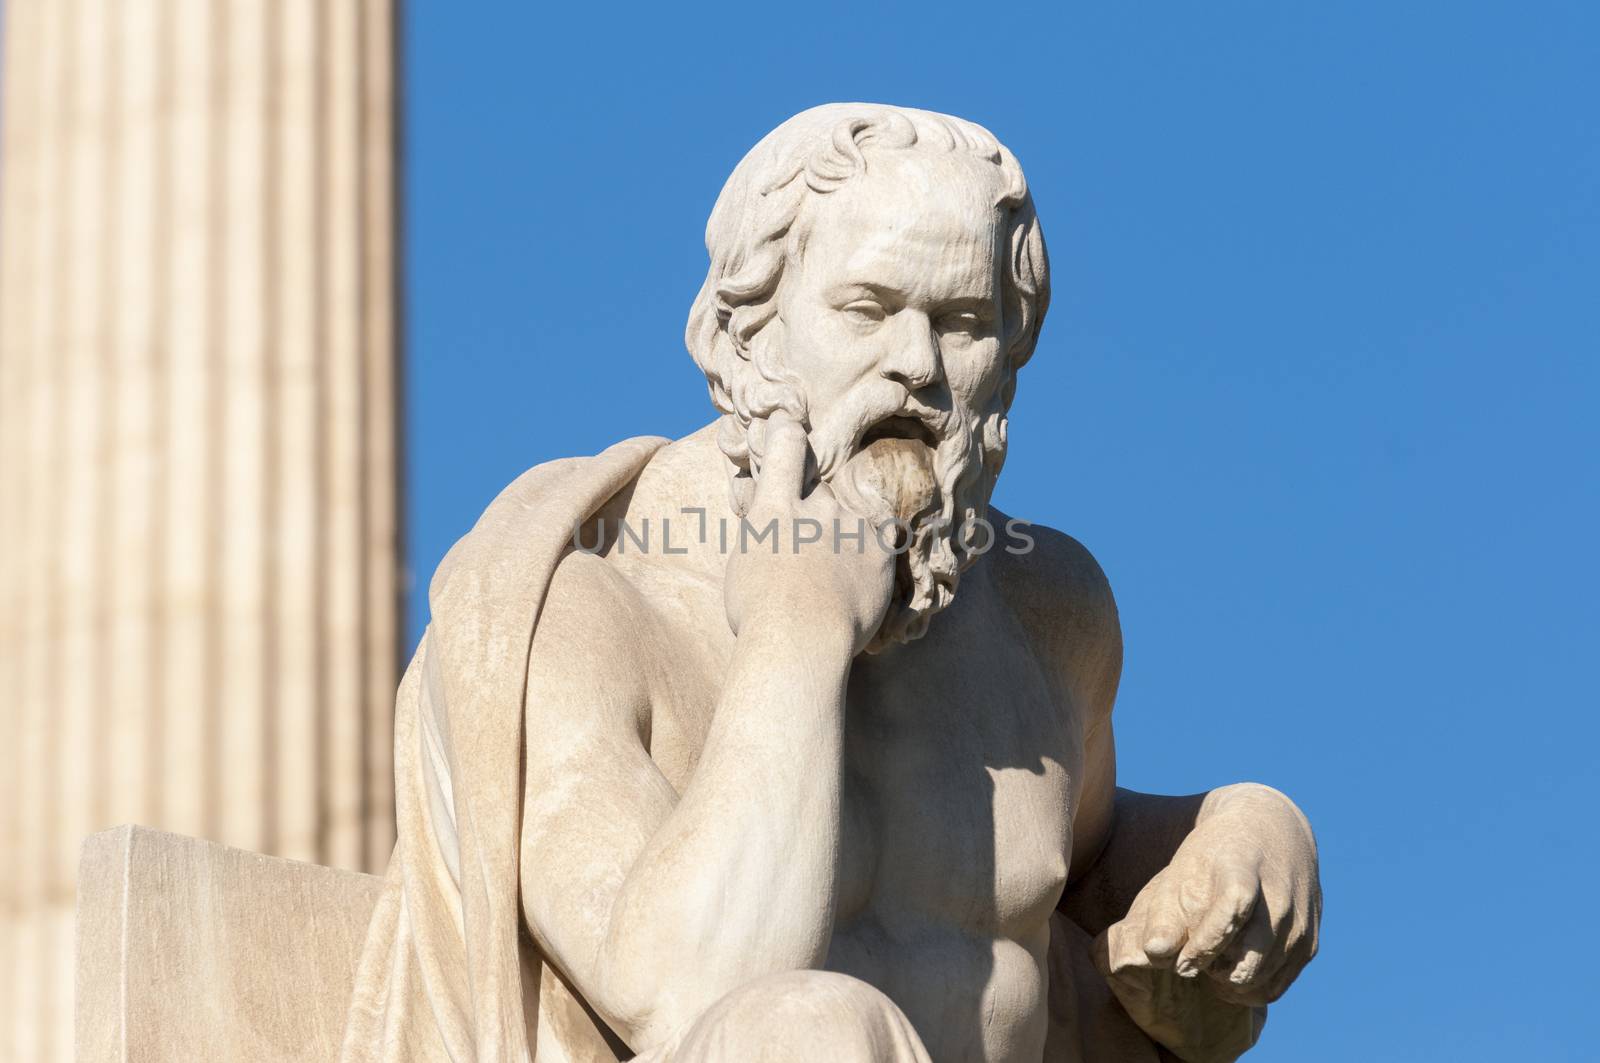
(960, 762)
(961, 758)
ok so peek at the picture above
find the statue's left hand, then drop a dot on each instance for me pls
(1236, 911)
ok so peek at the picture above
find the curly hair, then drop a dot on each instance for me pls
(755, 230)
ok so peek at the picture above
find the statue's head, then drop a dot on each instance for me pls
(879, 273)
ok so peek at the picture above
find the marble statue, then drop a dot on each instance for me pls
(778, 741)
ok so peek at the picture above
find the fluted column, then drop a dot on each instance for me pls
(198, 446)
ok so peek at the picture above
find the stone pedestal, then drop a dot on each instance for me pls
(189, 950)
(198, 520)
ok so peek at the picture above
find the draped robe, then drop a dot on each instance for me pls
(448, 972)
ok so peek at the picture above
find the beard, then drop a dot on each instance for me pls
(921, 478)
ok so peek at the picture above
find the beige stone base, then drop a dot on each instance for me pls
(189, 950)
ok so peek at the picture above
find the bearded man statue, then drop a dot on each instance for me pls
(847, 790)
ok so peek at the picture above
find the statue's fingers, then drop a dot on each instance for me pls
(1122, 949)
(1279, 970)
(1240, 964)
(783, 463)
(1165, 927)
(1233, 897)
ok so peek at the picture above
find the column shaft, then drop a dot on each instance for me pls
(199, 530)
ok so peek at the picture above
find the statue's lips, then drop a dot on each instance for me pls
(909, 428)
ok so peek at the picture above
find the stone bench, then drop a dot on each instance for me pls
(190, 950)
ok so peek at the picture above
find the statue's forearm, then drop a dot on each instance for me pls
(1146, 829)
(739, 881)
(1174, 885)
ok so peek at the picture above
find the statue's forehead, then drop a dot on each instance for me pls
(911, 212)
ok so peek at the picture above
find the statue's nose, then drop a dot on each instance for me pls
(913, 361)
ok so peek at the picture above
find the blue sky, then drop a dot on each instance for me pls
(1318, 387)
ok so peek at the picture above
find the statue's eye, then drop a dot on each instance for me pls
(864, 312)
(960, 321)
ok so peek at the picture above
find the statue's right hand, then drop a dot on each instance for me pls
(798, 560)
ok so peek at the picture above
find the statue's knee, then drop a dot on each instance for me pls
(820, 998)
(803, 1015)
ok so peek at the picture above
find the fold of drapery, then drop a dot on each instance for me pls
(447, 972)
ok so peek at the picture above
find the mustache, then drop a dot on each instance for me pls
(939, 423)
(907, 418)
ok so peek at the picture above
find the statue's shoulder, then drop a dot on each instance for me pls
(584, 650)
(516, 541)
(1050, 574)
(1061, 595)
(519, 564)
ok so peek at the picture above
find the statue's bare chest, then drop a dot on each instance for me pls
(960, 773)
(962, 760)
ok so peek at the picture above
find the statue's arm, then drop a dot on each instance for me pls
(1184, 838)
(1204, 907)
(653, 903)
(1221, 888)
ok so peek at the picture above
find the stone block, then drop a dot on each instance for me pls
(190, 950)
